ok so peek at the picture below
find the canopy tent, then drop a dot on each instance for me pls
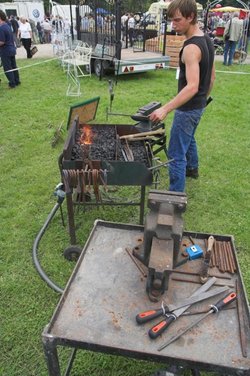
(228, 9)
(102, 11)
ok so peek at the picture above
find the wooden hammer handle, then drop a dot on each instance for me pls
(210, 243)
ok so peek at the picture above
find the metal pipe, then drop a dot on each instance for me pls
(40, 270)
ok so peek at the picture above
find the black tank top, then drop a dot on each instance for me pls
(206, 63)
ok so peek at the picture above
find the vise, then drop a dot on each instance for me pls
(162, 238)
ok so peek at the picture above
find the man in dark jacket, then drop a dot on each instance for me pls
(8, 52)
(15, 26)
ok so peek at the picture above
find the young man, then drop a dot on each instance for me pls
(195, 82)
(8, 52)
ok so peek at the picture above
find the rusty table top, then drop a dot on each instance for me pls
(105, 292)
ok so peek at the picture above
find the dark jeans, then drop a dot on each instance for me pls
(27, 44)
(182, 147)
(9, 63)
(229, 50)
(131, 36)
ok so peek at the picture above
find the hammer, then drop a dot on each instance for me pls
(206, 260)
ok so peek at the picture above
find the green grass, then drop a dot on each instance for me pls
(218, 202)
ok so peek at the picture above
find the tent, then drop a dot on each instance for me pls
(227, 9)
(102, 11)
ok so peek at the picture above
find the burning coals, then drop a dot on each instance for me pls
(101, 142)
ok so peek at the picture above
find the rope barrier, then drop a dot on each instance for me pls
(29, 66)
(128, 62)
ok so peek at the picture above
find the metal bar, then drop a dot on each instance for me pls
(218, 283)
(231, 257)
(230, 261)
(243, 330)
(227, 266)
(72, 232)
(160, 165)
(142, 204)
(221, 267)
(197, 274)
(70, 363)
(136, 263)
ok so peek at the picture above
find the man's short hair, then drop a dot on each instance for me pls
(187, 8)
(3, 15)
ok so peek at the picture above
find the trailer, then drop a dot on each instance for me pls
(113, 51)
(33, 10)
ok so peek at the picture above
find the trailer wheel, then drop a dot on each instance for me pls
(139, 37)
(98, 67)
(72, 253)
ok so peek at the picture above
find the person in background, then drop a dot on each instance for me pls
(15, 27)
(66, 27)
(47, 30)
(8, 52)
(195, 81)
(131, 29)
(25, 34)
(99, 22)
(234, 27)
(40, 32)
(91, 23)
(34, 36)
(85, 23)
(124, 20)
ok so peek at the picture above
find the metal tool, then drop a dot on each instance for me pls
(214, 309)
(243, 327)
(206, 261)
(149, 315)
(143, 134)
(159, 328)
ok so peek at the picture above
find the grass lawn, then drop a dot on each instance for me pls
(218, 202)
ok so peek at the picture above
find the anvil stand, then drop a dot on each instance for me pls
(162, 238)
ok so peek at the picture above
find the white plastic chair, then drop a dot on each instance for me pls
(80, 57)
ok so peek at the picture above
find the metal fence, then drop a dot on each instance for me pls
(99, 25)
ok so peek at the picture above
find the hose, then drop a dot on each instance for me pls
(37, 264)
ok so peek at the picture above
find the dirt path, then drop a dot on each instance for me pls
(46, 51)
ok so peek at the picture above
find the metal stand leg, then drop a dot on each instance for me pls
(70, 363)
(70, 208)
(51, 356)
(142, 204)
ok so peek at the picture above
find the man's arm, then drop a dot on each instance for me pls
(191, 57)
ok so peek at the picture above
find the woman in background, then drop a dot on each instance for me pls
(25, 34)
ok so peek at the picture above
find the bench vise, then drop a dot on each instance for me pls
(162, 238)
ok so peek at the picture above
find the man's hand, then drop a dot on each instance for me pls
(158, 115)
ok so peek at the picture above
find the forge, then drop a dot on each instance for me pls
(96, 156)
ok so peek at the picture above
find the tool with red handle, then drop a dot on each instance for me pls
(159, 328)
(214, 309)
(149, 315)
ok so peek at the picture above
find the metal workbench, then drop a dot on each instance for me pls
(105, 292)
